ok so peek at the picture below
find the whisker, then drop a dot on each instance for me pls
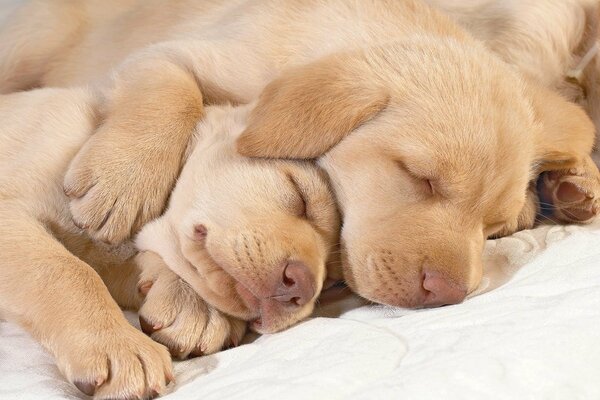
(545, 219)
(550, 205)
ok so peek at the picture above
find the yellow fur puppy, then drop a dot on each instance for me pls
(251, 237)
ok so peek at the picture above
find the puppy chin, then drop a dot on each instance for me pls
(272, 320)
(268, 316)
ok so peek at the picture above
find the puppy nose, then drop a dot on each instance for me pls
(296, 286)
(440, 291)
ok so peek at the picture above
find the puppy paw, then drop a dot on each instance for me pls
(176, 316)
(115, 186)
(115, 363)
(570, 196)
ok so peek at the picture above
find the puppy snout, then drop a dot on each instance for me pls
(296, 285)
(440, 290)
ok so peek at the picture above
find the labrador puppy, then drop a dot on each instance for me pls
(250, 236)
(431, 141)
(250, 239)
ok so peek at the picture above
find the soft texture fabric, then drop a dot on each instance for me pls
(534, 336)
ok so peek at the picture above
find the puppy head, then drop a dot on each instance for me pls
(251, 236)
(430, 147)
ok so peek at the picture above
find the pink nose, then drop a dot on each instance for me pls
(441, 291)
(296, 286)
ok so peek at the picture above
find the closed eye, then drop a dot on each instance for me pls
(425, 184)
(429, 185)
(299, 206)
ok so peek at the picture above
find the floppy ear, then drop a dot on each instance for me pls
(310, 109)
(567, 133)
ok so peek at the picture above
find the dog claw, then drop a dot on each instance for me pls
(88, 388)
(197, 352)
(147, 327)
(144, 288)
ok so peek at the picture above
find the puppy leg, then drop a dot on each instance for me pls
(124, 174)
(33, 36)
(64, 304)
(573, 195)
(175, 315)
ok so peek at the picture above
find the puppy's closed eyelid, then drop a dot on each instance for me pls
(427, 184)
(301, 205)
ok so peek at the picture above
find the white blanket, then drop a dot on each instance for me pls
(535, 336)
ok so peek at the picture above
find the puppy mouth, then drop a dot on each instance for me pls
(250, 300)
(261, 322)
(239, 308)
(270, 314)
(265, 313)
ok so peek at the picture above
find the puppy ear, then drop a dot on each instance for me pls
(310, 109)
(567, 133)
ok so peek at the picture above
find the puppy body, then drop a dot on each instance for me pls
(548, 41)
(252, 39)
(50, 269)
(44, 286)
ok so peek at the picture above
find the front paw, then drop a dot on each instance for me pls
(117, 182)
(176, 316)
(115, 363)
(571, 196)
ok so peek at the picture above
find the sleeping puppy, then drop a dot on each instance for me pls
(554, 42)
(250, 239)
(421, 190)
(250, 236)
(413, 119)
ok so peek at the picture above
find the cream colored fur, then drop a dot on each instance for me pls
(50, 270)
(258, 214)
(555, 43)
(546, 40)
(389, 70)
(51, 289)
